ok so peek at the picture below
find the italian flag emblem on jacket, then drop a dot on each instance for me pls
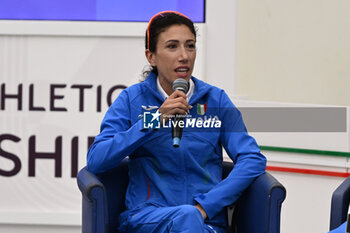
(201, 109)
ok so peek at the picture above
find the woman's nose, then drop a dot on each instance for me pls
(183, 54)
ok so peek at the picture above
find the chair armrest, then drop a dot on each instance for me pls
(259, 208)
(94, 203)
(88, 181)
(340, 204)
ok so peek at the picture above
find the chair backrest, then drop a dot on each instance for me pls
(340, 204)
(115, 182)
(260, 205)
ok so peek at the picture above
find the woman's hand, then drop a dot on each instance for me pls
(200, 208)
(176, 103)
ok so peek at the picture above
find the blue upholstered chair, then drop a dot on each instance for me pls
(340, 204)
(257, 211)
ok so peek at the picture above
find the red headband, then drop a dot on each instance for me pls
(154, 16)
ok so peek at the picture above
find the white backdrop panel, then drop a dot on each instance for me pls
(51, 112)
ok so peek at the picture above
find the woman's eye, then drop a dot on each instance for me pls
(171, 46)
(191, 46)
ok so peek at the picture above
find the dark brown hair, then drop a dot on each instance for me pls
(158, 24)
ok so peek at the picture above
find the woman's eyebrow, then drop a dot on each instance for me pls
(176, 41)
(170, 41)
(191, 40)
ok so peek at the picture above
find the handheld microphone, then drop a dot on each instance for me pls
(181, 85)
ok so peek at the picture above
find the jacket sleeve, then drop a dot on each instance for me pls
(118, 138)
(244, 152)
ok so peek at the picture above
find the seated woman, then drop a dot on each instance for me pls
(175, 189)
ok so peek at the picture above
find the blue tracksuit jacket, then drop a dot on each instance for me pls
(162, 175)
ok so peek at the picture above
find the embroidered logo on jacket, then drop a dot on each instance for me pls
(201, 109)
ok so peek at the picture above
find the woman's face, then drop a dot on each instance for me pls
(174, 56)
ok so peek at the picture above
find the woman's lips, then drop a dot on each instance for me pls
(182, 71)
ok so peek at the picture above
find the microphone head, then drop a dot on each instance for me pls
(180, 84)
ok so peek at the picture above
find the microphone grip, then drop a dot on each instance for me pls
(176, 130)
